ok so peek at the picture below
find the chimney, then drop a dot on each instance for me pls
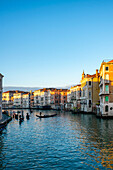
(96, 72)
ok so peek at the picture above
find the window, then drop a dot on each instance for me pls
(80, 93)
(106, 108)
(106, 68)
(89, 103)
(83, 93)
(89, 83)
(106, 88)
(41, 98)
(89, 94)
(106, 98)
(106, 76)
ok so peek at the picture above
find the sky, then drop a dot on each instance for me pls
(48, 43)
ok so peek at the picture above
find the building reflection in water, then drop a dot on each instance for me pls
(96, 137)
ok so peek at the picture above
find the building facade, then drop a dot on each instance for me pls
(106, 88)
(18, 99)
(73, 97)
(42, 97)
(89, 92)
(7, 99)
(26, 100)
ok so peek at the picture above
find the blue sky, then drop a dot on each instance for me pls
(46, 43)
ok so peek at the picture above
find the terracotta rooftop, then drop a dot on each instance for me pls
(10, 91)
(110, 61)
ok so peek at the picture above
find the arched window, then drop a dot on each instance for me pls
(106, 108)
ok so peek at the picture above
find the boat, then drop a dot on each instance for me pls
(46, 116)
(21, 118)
(2, 126)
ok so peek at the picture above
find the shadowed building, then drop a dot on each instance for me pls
(1, 76)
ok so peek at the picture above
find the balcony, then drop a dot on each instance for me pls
(106, 81)
(101, 83)
(73, 98)
(82, 98)
(103, 93)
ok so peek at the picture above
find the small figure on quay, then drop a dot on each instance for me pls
(27, 116)
(40, 113)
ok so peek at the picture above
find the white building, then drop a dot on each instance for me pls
(73, 97)
(26, 100)
(17, 98)
(42, 97)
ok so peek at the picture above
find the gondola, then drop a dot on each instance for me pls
(46, 116)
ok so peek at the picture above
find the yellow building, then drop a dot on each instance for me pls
(89, 92)
(26, 100)
(42, 97)
(17, 98)
(106, 88)
(7, 98)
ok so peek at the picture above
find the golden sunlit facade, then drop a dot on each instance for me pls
(42, 97)
(89, 92)
(50, 96)
(17, 98)
(106, 88)
(75, 95)
(26, 100)
(7, 98)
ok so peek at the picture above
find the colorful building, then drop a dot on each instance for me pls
(73, 97)
(89, 92)
(42, 97)
(7, 99)
(50, 97)
(26, 100)
(106, 88)
(18, 98)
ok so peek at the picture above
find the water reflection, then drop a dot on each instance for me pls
(96, 138)
(66, 141)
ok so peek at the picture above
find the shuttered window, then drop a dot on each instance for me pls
(106, 98)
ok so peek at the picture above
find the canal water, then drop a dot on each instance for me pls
(67, 141)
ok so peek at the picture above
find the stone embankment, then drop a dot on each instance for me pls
(3, 122)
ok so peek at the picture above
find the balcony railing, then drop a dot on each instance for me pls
(106, 81)
(101, 83)
(82, 98)
(103, 93)
(73, 98)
